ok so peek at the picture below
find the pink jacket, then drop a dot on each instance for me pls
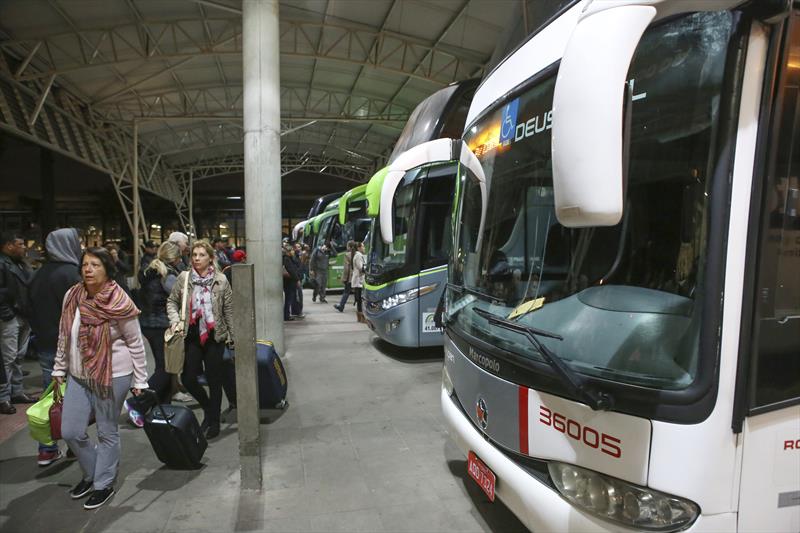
(127, 352)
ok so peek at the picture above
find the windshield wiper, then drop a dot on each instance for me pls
(439, 318)
(576, 384)
(475, 292)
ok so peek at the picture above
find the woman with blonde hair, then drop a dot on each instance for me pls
(209, 316)
(156, 282)
(359, 265)
(100, 348)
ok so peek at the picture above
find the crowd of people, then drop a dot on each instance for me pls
(303, 266)
(88, 327)
(88, 330)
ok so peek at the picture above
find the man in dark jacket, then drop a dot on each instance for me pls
(318, 265)
(15, 331)
(291, 279)
(150, 250)
(47, 290)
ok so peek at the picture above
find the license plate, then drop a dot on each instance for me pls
(484, 477)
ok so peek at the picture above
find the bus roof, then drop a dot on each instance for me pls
(354, 194)
(317, 220)
(298, 228)
(373, 192)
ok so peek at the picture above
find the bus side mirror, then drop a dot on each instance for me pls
(588, 147)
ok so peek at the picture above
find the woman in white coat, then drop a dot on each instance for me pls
(359, 266)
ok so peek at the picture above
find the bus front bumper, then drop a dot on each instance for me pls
(397, 325)
(539, 507)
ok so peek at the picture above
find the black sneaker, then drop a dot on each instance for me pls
(81, 489)
(98, 498)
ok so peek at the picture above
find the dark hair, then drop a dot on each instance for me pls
(9, 236)
(105, 257)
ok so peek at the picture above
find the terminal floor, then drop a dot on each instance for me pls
(362, 447)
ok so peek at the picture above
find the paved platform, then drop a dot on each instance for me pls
(362, 447)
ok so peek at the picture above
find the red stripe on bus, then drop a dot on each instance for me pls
(523, 420)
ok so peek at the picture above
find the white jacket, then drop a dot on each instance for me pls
(357, 275)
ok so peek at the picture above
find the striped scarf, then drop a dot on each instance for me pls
(94, 334)
(201, 311)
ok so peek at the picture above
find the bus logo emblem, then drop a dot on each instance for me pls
(482, 413)
(508, 122)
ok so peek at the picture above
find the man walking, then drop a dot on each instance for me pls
(47, 290)
(318, 266)
(15, 332)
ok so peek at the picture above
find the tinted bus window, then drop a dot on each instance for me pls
(777, 300)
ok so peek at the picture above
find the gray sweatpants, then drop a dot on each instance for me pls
(14, 335)
(321, 285)
(98, 461)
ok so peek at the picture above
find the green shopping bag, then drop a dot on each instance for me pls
(39, 415)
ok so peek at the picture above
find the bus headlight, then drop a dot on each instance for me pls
(620, 501)
(406, 296)
(447, 383)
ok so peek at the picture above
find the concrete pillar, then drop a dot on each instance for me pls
(48, 188)
(262, 172)
(247, 413)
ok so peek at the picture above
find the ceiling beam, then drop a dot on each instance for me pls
(427, 55)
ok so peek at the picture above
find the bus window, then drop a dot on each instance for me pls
(777, 300)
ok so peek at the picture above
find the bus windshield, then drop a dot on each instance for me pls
(626, 299)
(393, 260)
(422, 228)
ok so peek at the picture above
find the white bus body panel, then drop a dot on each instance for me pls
(699, 461)
(630, 434)
(538, 506)
(543, 49)
(770, 488)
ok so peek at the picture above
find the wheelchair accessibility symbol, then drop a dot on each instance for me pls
(508, 122)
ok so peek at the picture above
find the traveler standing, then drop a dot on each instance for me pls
(207, 330)
(182, 240)
(302, 274)
(48, 287)
(357, 277)
(348, 268)
(15, 331)
(6, 407)
(100, 347)
(220, 252)
(291, 279)
(150, 251)
(156, 282)
(318, 265)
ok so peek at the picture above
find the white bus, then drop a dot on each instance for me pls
(623, 309)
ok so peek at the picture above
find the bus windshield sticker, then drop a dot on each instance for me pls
(508, 123)
(526, 307)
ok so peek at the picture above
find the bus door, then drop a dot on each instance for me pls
(434, 238)
(769, 498)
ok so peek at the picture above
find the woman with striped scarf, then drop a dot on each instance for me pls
(100, 348)
(209, 316)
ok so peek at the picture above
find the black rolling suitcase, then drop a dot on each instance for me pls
(175, 436)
